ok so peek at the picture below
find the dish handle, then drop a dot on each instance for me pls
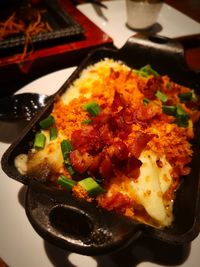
(155, 48)
(76, 225)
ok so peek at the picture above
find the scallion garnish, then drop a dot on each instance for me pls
(39, 141)
(180, 111)
(70, 169)
(141, 73)
(169, 110)
(160, 95)
(87, 121)
(93, 108)
(184, 97)
(66, 148)
(148, 70)
(181, 116)
(91, 186)
(146, 101)
(68, 183)
(53, 133)
(47, 122)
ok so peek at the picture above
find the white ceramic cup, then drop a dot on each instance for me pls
(142, 14)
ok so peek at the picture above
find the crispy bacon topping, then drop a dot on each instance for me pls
(146, 113)
(118, 101)
(101, 149)
(80, 161)
(86, 139)
(139, 143)
(151, 87)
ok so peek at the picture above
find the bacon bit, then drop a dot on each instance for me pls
(151, 87)
(119, 127)
(80, 161)
(165, 118)
(181, 170)
(118, 202)
(106, 168)
(139, 143)
(128, 75)
(118, 101)
(86, 139)
(106, 135)
(148, 112)
(128, 115)
(114, 74)
(101, 119)
(118, 150)
(132, 168)
(117, 122)
(95, 165)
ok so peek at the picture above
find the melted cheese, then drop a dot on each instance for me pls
(150, 186)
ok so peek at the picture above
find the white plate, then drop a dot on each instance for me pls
(113, 21)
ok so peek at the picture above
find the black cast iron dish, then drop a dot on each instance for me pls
(81, 227)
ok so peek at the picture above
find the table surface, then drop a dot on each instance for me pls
(188, 7)
(21, 246)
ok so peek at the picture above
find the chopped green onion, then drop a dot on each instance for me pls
(147, 69)
(87, 121)
(187, 96)
(160, 95)
(146, 100)
(169, 110)
(141, 73)
(69, 166)
(91, 186)
(40, 140)
(180, 111)
(66, 182)
(70, 169)
(93, 108)
(181, 117)
(66, 148)
(182, 121)
(47, 122)
(53, 133)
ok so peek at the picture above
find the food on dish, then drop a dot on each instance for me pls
(120, 138)
(27, 21)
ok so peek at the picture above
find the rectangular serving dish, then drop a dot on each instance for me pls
(45, 205)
